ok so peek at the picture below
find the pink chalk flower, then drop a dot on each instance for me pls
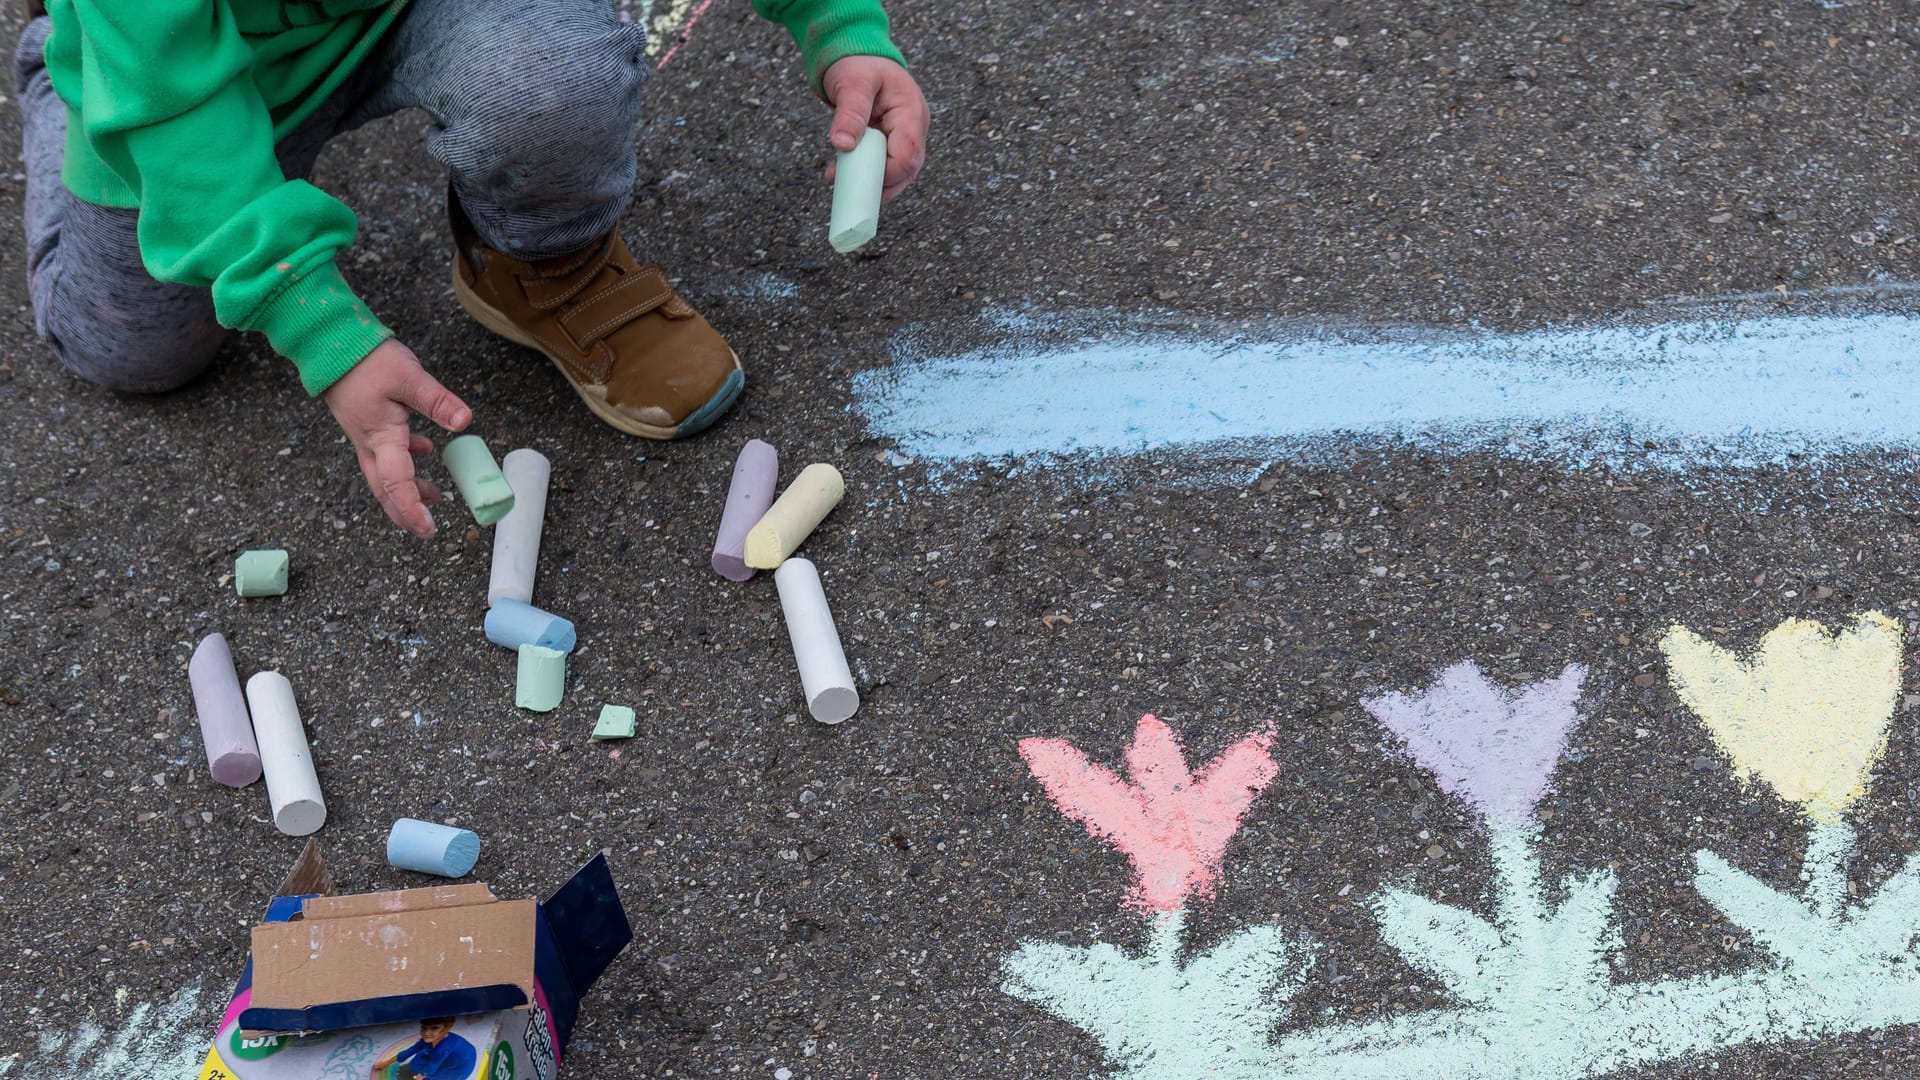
(1172, 824)
(1493, 747)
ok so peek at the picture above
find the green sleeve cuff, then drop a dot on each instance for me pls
(831, 30)
(318, 323)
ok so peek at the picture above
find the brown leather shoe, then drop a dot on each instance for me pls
(640, 357)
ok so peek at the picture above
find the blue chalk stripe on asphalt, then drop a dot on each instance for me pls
(1729, 393)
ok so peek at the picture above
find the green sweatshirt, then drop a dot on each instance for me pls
(174, 107)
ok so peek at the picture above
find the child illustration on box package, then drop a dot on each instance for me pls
(167, 147)
(439, 1055)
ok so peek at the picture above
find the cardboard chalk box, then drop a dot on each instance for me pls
(446, 983)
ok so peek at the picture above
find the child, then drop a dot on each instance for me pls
(167, 141)
(439, 1055)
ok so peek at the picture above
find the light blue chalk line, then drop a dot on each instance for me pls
(1732, 393)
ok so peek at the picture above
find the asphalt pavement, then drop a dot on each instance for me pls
(840, 901)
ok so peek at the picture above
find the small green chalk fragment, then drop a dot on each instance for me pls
(260, 573)
(616, 722)
(542, 678)
(477, 475)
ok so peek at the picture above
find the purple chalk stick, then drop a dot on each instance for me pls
(754, 476)
(232, 756)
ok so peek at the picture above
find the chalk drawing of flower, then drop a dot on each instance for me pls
(1172, 824)
(1493, 747)
(1807, 711)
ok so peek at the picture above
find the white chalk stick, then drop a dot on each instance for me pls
(793, 517)
(292, 786)
(232, 756)
(824, 675)
(756, 473)
(516, 539)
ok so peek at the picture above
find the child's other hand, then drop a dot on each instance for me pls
(372, 403)
(872, 91)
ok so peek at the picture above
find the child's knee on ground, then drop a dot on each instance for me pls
(151, 362)
(539, 130)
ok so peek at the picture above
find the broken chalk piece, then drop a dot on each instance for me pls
(542, 678)
(486, 491)
(616, 722)
(858, 176)
(293, 788)
(755, 474)
(260, 573)
(516, 540)
(232, 756)
(413, 844)
(791, 519)
(824, 676)
(511, 624)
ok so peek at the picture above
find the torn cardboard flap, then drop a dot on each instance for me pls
(327, 961)
(384, 903)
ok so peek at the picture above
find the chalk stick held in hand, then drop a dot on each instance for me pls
(858, 177)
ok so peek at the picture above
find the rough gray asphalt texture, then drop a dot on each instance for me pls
(853, 889)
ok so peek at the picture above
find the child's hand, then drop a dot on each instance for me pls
(371, 404)
(872, 91)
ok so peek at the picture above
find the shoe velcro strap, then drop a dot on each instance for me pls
(606, 309)
(546, 293)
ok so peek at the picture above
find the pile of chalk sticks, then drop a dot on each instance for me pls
(259, 734)
(758, 532)
(541, 640)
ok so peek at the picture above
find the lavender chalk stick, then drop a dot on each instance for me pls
(413, 844)
(511, 624)
(831, 697)
(516, 540)
(755, 474)
(232, 756)
(293, 788)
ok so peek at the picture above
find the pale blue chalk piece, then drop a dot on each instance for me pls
(511, 624)
(413, 844)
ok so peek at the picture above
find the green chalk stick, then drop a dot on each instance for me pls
(858, 176)
(478, 477)
(616, 722)
(260, 573)
(542, 678)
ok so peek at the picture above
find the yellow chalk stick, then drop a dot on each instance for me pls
(794, 515)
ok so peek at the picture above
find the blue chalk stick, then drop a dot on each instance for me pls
(432, 849)
(511, 624)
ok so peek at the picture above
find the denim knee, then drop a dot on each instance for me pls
(151, 362)
(540, 140)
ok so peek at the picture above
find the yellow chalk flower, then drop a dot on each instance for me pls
(1807, 712)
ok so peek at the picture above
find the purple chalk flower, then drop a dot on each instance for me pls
(1493, 747)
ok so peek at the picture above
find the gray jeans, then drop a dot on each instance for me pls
(534, 106)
